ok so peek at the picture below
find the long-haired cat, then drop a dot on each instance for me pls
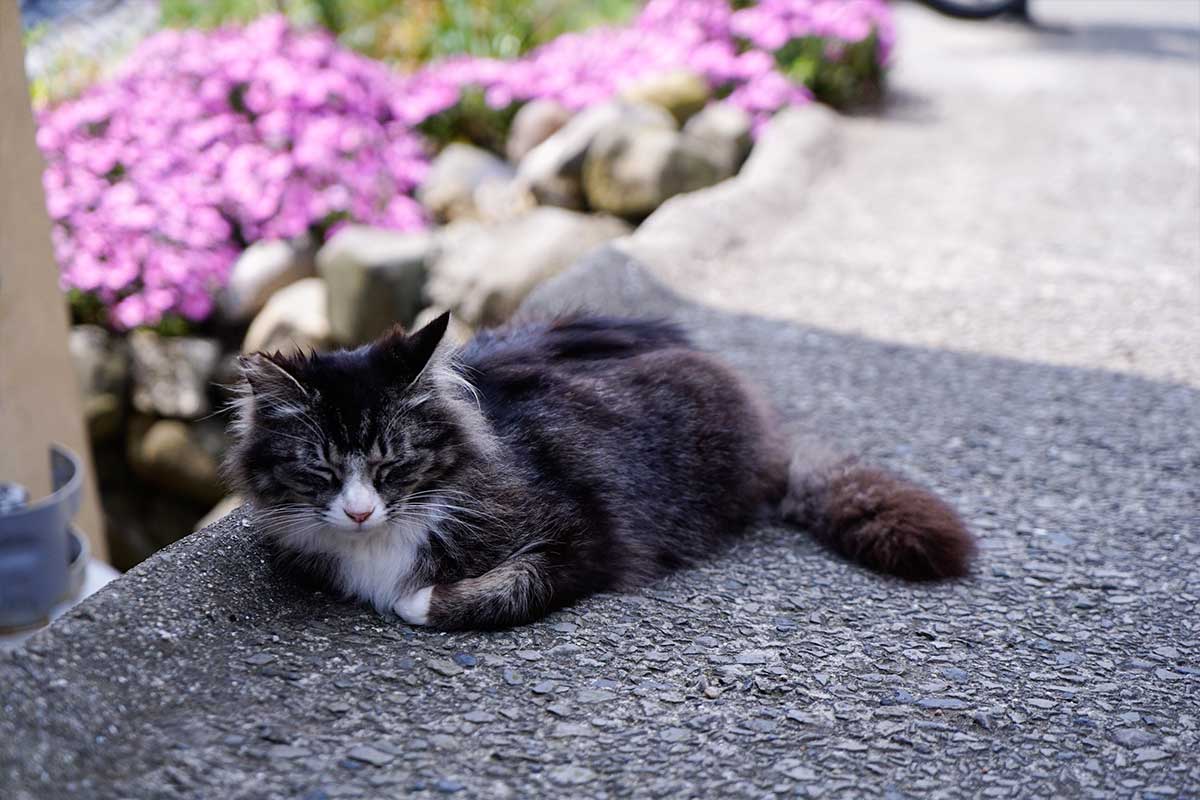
(487, 486)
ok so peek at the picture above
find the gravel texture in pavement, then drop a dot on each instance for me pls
(973, 215)
(1066, 666)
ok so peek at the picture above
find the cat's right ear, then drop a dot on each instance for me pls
(268, 375)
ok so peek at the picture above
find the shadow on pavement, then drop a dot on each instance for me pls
(1059, 668)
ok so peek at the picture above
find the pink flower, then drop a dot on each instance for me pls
(208, 140)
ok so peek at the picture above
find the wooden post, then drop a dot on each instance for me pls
(39, 396)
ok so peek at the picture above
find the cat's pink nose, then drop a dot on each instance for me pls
(360, 516)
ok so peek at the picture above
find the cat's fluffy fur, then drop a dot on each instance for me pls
(539, 464)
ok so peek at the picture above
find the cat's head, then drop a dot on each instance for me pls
(349, 441)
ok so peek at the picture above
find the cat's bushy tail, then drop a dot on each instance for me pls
(878, 519)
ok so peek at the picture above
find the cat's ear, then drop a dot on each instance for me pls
(271, 375)
(411, 353)
(424, 342)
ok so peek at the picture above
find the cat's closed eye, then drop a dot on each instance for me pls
(389, 471)
(307, 478)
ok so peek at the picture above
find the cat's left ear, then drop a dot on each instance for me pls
(269, 375)
(413, 352)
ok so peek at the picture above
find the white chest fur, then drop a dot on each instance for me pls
(379, 569)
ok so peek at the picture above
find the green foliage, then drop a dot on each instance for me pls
(471, 120)
(417, 30)
(86, 307)
(838, 74)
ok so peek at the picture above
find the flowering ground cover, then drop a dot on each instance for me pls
(207, 141)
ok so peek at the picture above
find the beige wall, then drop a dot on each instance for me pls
(39, 398)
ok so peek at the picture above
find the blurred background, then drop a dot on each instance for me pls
(224, 176)
(234, 175)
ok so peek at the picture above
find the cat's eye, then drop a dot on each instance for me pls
(388, 470)
(320, 474)
(307, 478)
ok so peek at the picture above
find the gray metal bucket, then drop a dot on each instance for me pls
(37, 548)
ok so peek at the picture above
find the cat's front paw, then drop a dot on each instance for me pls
(414, 608)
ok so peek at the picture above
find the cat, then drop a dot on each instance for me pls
(485, 486)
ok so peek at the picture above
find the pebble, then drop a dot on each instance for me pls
(1042, 703)
(479, 717)
(544, 687)
(1134, 737)
(447, 785)
(447, 668)
(594, 696)
(751, 657)
(571, 776)
(675, 735)
(287, 751)
(369, 755)
(942, 702)
(259, 659)
(801, 774)
(465, 659)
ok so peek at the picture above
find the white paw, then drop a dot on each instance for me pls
(414, 608)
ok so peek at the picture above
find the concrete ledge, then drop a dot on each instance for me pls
(1067, 665)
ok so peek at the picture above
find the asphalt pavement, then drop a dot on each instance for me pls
(1066, 666)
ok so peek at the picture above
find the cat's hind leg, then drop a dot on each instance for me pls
(518, 590)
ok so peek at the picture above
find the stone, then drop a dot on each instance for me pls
(750, 657)
(502, 200)
(1134, 737)
(262, 269)
(571, 776)
(801, 774)
(594, 696)
(295, 318)
(104, 414)
(1149, 754)
(680, 92)
(287, 751)
(553, 170)
(483, 272)
(448, 192)
(534, 123)
(102, 367)
(177, 457)
(949, 703)
(445, 668)
(375, 279)
(370, 755)
(724, 132)
(631, 169)
(171, 374)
